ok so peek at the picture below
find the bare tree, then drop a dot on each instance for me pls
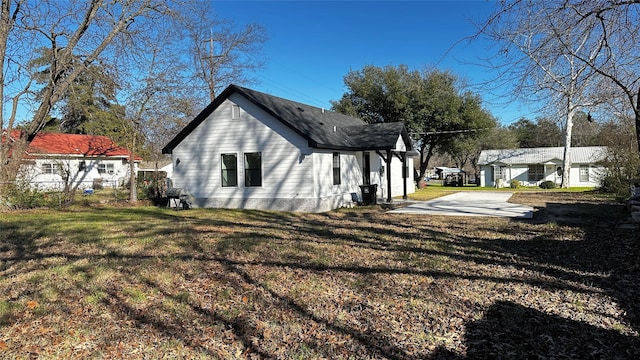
(539, 56)
(157, 52)
(609, 32)
(615, 30)
(92, 31)
(222, 52)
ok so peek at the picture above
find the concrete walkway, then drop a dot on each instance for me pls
(469, 203)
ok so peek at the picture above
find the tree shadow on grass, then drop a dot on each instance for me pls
(512, 331)
(607, 255)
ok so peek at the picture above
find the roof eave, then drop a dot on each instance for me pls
(168, 149)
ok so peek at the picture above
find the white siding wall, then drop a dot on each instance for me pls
(350, 177)
(397, 188)
(521, 173)
(595, 172)
(286, 162)
(294, 176)
(78, 179)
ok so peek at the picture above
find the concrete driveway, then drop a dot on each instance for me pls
(469, 203)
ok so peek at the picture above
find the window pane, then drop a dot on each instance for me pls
(229, 170)
(253, 169)
(235, 112)
(336, 168)
(584, 173)
(535, 172)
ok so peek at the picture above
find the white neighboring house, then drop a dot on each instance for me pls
(252, 150)
(532, 166)
(56, 161)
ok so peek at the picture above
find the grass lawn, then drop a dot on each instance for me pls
(145, 282)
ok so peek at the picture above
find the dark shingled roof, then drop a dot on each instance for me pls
(323, 129)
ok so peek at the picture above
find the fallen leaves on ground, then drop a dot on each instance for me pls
(155, 283)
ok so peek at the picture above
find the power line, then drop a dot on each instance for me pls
(448, 132)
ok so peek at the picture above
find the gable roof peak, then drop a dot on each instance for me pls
(321, 128)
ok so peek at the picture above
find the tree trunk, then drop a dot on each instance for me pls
(426, 151)
(133, 193)
(637, 115)
(566, 162)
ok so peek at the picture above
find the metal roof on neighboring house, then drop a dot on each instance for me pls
(321, 128)
(524, 156)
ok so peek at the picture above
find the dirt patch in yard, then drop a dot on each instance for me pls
(571, 208)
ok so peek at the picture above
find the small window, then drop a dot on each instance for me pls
(229, 165)
(336, 168)
(584, 173)
(253, 169)
(52, 169)
(536, 172)
(82, 166)
(498, 172)
(47, 168)
(366, 169)
(105, 168)
(235, 111)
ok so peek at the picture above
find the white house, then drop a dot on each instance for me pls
(54, 161)
(532, 166)
(252, 150)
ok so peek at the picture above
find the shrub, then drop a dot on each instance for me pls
(622, 166)
(615, 185)
(20, 195)
(548, 184)
(514, 184)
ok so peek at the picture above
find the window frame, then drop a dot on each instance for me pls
(584, 173)
(47, 168)
(106, 168)
(224, 170)
(535, 172)
(235, 112)
(498, 172)
(252, 173)
(366, 168)
(336, 170)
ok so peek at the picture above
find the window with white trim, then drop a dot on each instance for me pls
(235, 111)
(229, 169)
(336, 168)
(535, 172)
(253, 169)
(584, 173)
(105, 168)
(498, 172)
(51, 168)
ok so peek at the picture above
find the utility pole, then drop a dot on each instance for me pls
(210, 60)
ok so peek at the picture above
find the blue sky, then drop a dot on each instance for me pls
(313, 44)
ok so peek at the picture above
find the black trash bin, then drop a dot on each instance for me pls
(369, 194)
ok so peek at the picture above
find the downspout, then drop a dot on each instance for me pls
(405, 172)
(389, 176)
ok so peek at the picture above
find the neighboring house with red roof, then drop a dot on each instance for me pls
(53, 161)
